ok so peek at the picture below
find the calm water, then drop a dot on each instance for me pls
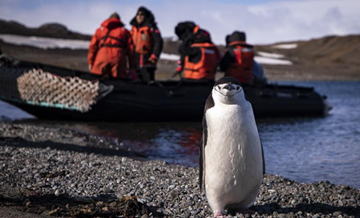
(302, 149)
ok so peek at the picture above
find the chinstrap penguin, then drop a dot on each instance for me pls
(232, 161)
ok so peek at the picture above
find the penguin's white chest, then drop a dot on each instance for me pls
(233, 157)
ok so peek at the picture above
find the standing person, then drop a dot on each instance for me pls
(110, 48)
(198, 55)
(148, 43)
(238, 59)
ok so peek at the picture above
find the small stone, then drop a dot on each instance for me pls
(57, 192)
(174, 194)
(194, 212)
(271, 190)
(107, 190)
(337, 213)
(187, 214)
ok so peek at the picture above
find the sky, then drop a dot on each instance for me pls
(264, 21)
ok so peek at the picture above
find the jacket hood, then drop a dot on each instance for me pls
(236, 36)
(185, 32)
(112, 23)
(149, 19)
(202, 36)
(184, 29)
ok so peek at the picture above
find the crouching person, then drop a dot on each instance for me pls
(238, 60)
(199, 56)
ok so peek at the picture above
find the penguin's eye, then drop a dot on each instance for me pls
(219, 87)
(237, 87)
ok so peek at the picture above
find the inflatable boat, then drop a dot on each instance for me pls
(56, 93)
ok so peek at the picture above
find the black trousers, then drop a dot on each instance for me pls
(147, 74)
(146, 70)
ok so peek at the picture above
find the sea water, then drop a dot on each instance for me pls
(305, 149)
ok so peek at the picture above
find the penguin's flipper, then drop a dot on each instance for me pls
(209, 104)
(263, 158)
(202, 155)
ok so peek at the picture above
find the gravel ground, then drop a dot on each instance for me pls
(51, 172)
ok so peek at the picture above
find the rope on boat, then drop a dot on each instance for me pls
(34, 86)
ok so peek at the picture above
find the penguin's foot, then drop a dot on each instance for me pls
(219, 213)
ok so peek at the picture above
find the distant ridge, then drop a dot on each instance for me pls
(52, 30)
(332, 49)
(323, 51)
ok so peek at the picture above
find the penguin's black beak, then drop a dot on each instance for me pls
(229, 87)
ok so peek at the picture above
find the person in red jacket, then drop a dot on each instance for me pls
(148, 43)
(238, 59)
(198, 55)
(110, 48)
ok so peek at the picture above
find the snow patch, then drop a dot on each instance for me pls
(266, 60)
(271, 58)
(170, 57)
(270, 55)
(285, 46)
(45, 43)
(50, 43)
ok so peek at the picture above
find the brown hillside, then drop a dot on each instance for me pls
(170, 46)
(332, 49)
(326, 50)
(327, 58)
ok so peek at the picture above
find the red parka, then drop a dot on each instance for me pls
(199, 56)
(241, 68)
(109, 49)
(206, 67)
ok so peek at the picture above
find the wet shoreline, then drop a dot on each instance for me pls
(60, 172)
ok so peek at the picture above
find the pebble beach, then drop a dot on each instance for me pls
(62, 173)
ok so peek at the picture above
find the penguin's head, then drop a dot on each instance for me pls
(228, 90)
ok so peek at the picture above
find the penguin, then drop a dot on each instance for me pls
(232, 163)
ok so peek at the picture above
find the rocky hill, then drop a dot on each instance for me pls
(326, 58)
(326, 50)
(52, 30)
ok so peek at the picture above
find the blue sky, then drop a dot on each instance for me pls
(264, 21)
